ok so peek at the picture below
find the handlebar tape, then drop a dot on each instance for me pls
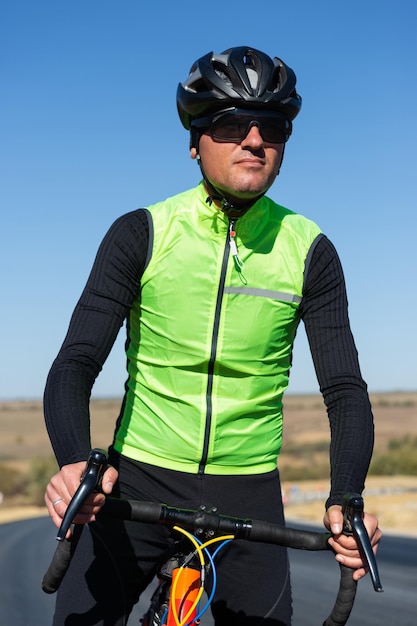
(283, 536)
(61, 561)
(345, 598)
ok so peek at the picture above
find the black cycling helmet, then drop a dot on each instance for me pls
(237, 77)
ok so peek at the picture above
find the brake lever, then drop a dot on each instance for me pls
(90, 481)
(352, 508)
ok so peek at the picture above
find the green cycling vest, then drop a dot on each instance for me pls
(210, 336)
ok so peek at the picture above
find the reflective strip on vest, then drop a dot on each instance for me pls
(264, 293)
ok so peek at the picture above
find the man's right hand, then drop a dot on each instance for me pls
(63, 486)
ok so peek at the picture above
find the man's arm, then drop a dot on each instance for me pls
(324, 310)
(104, 304)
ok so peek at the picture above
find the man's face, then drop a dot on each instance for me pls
(240, 171)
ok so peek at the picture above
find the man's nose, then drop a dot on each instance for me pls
(253, 138)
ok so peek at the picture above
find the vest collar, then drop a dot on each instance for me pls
(248, 225)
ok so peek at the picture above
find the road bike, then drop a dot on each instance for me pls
(183, 576)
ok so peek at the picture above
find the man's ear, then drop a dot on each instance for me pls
(193, 153)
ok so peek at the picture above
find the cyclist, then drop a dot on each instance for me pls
(213, 283)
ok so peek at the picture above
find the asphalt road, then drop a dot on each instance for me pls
(27, 546)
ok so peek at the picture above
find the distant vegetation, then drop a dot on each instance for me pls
(27, 486)
(400, 458)
(310, 461)
(299, 462)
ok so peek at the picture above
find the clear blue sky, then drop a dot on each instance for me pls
(89, 130)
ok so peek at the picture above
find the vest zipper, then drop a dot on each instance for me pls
(233, 246)
(230, 245)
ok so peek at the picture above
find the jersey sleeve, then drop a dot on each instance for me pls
(104, 304)
(324, 310)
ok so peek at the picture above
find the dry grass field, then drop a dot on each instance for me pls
(393, 499)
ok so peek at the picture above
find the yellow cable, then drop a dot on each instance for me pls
(216, 540)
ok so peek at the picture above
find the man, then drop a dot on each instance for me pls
(213, 284)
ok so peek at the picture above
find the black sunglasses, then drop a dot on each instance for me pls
(234, 124)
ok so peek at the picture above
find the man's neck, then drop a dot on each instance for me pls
(232, 208)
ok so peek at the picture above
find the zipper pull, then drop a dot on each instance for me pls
(233, 246)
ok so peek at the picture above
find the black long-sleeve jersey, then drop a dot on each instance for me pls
(112, 287)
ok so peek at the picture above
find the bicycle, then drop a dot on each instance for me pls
(175, 601)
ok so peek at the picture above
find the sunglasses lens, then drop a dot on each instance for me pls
(234, 127)
(229, 127)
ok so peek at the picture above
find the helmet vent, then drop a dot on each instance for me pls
(253, 78)
(221, 73)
